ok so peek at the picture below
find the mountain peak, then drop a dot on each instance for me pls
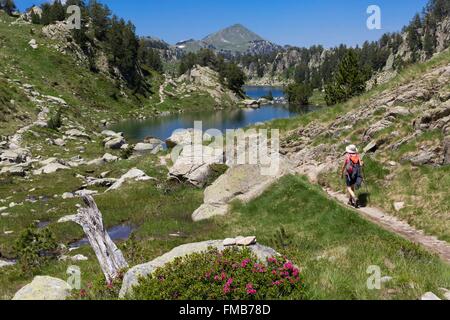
(233, 38)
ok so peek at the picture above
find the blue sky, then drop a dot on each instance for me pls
(294, 22)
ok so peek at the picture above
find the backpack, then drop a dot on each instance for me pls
(353, 166)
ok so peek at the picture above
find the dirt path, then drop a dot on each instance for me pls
(399, 227)
(162, 96)
(16, 140)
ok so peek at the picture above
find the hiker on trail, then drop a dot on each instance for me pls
(353, 173)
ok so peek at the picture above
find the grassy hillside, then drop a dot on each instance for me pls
(91, 96)
(391, 177)
(333, 245)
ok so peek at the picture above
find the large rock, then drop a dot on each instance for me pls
(251, 103)
(56, 100)
(398, 112)
(152, 146)
(44, 288)
(75, 133)
(430, 296)
(17, 170)
(204, 79)
(109, 158)
(193, 164)
(50, 168)
(436, 114)
(33, 44)
(18, 155)
(103, 182)
(134, 174)
(110, 133)
(4, 263)
(115, 143)
(186, 137)
(375, 128)
(132, 276)
(422, 158)
(242, 182)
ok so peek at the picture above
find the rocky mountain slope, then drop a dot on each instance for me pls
(395, 51)
(403, 127)
(230, 41)
(234, 38)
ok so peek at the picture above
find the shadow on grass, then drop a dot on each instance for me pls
(364, 199)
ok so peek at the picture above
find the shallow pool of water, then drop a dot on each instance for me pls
(117, 233)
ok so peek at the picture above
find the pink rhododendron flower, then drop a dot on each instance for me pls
(227, 287)
(250, 289)
(288, 266)
(245, 263)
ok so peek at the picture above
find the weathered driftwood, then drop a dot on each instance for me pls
(109, 256)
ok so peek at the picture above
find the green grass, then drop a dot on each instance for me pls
(318, 98)
(425, 189)
(333, 246)
(156, 209)
(317, 226)
(15, 109)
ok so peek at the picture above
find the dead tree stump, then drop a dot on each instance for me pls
(109, 256)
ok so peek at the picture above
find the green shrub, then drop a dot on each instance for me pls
(127, 153)
(299, 93)
(217, 170)
(34, 248)
(234, 274)
(55, 121)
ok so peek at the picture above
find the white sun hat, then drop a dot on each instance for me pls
(352, 149)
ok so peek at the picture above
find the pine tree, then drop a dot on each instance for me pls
(35, 18)
(57, 12)
(100, 19)
(235, 78)
(45, 17)
(150, 57)
(123, 46)
(298, 94)
(414, 38)
(348, 81)
(428, 44)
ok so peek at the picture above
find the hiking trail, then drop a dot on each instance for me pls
(399, 227)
